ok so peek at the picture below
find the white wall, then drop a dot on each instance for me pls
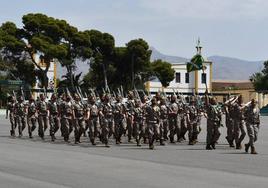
(182, 86)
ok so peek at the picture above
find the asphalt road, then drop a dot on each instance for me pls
(36, 163)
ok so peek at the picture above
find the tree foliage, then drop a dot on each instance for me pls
(163, 71)
(260, 79)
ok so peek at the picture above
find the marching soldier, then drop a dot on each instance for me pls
(119, 119)
(239, 122)
(138, 122)
(66, 111)
(213, 123)
(192, 118)
(53, 116)
(31, 116)
(130, 117)
(107, 120)
(229, 121)
(21, 111)
(252, 115)
(174, 124)
(164, 118)
(10, 111)
(79, 118)
(153, 118)
(92, 119)
(43, 114)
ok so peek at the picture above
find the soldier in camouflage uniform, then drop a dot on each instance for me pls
(239, 122)
(119, 119)
(214, 113)
(66, 111)
(54, 119)
(153, 119)
(229, 121)
(11, 112)
(252, 114)
(164, 118)
(43, 114)
(107, 120)
(130, 115)
(174, 124)
(21, 112)
(144, 131)
(192, 118)
(79, 118)
(93, 120)
(31, 116)
(138, 122)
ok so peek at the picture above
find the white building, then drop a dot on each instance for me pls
(187, 83)
(184, 82)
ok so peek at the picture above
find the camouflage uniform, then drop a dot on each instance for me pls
(107, 121)
(153, 118)
(20, 109)
(192, 121)
(138, 122)
(31, 117)
(42, 110)
(213, 124)
(93, 121)
(164, 119)
(119, 120)
(12, 119)
(252, 115)
(229, 121)
(66, 118)
(239, 125)
(174, 120)
(79, 119)
(54, 119)
(130, 116)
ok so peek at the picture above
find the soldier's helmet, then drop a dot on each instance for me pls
(42, 96)
(68, 97)
(163, 100)
(137, 102)
(91, 98)
(253, 103)
(213, 101)
(31, 98)
(20, 98)
(154, 101)
(107, 97)
(173, 98)
(118, 98)
(130, 95)
(76, 97)
(240, 99)
(53, 97)
(192, 100)
(144, 99)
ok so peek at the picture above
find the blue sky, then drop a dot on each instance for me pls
(235, 28)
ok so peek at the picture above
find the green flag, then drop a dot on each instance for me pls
(196, 63)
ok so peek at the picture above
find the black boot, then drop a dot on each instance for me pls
(246, 147)
(208, 147)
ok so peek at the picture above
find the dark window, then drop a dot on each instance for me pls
(178, 77)
(187, 77)
(204, 78)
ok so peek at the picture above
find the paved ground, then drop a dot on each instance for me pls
(35, 163)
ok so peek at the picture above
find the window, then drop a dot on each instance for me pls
(187, 78)
(204, 78)
(178, 77)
